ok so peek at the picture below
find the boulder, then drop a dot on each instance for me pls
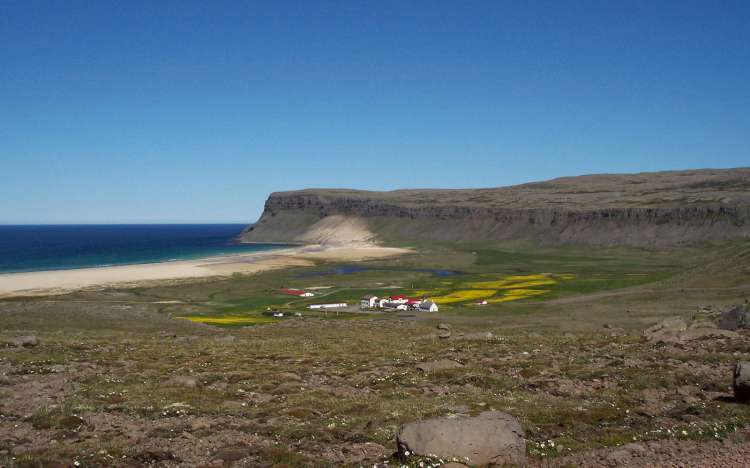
(231, 454)
(668, 325)
(183, 381)
(695, 333)
(442, 364)
(444, 334)
(289, 376)
(741, 382)
(478, 336)
(27, 341)
(735, 318)
(491, 437)
(443, 326)
(676, 330)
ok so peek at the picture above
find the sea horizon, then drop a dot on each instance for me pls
(51, 247)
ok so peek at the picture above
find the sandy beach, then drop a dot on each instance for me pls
(62, 281)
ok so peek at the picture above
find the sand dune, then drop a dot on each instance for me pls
(62, 281)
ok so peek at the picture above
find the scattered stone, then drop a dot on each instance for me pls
(358, 452)
(666, 330)
(27, 341)
(735, 318)
(702, 332)
(491, 437)
(478, 336)
(677, 330)
(151, 456)
(286, 376)
(183, 381)
(231, 454)
(741, 382)
(442, 364)
(443, 326)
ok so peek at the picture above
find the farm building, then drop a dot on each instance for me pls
(400, 299)
(296, 292)
(413, 303)
(369, 301)
(327, 306)
(428, 306)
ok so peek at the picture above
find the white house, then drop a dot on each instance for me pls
(402, 307)
(307, 294)
(428, 306)
(368, 302)
(382, 302)
(327, 306)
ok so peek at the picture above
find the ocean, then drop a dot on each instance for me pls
(56, 247)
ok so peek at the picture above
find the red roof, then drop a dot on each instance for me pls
(400, 296)
(292, 292)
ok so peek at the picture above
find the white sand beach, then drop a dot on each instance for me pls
(62, 281)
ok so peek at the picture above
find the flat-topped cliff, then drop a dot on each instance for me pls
(647, 209)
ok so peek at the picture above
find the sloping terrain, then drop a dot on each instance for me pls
(647, 209)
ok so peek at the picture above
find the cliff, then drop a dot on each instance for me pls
(647, 209)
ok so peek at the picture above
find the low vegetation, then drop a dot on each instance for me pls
(193, 372)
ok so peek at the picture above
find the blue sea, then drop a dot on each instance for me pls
(55, 247)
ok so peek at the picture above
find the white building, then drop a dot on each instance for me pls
(327, 306)
(398, 299)
(369, 302)
(307, 294)
(428, 306)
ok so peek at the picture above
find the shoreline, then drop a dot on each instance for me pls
(52, 282)
(281, 246)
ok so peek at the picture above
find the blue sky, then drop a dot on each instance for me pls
(194, 111)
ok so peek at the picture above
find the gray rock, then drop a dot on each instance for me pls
(478, 336)
(289, 376)
(706, 332)
(443, 326)
(491, 437)
(442, 364)
(670, 324)
(183, 381)
(741, 382)
(27, 341)
(735, 318)
(667, 331)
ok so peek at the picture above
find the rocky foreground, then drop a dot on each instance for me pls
(379, 392)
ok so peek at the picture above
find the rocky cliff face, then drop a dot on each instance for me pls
(644, 209)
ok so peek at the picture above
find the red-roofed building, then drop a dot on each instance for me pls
(296, 292)
(400, 299)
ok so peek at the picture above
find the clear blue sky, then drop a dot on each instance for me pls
(164, 111)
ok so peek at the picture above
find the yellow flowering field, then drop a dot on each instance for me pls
(516, 294)
(513, 282)
(464, 295)
(227, 319)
